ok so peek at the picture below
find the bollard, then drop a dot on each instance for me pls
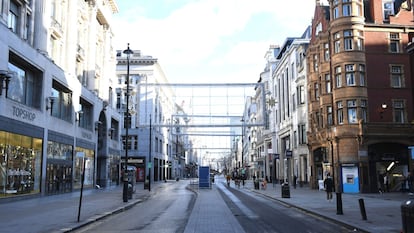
(362, 209)
(407, 215)
(339, 204)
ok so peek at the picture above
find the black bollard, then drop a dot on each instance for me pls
(362, 209)
(339, 204)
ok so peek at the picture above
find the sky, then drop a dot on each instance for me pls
(209, 41)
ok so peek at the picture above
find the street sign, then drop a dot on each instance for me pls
(149, 165)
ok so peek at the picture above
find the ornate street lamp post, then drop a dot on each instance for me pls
(127, 124)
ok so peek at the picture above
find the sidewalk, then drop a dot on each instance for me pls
(383, 211)
(59, 213)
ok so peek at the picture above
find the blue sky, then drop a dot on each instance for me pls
(214, 41)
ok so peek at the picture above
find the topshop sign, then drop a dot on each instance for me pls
(23, 114)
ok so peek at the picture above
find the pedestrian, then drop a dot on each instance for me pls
(328, 185)
(228, 178)
(294, 181)
(264, 184)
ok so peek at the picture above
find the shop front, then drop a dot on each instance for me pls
(20, 164)
(20, 158)
(59, 165)
(84, 157)
(389, 166)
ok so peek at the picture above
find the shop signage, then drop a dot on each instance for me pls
(86, 135)
(135, 160)
(23, 114)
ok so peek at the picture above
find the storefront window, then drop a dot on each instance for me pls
(84, 156)
(59, 151)
(20, 164)
(114, 171)
(59, 168)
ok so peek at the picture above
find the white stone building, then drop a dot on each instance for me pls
(289, 92)
(157, 144)
(56, 102)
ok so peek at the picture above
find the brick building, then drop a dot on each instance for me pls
(360, 94)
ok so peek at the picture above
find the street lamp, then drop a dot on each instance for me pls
(127, 123)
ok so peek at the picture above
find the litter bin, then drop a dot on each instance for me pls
(285, 190)
(407, 215)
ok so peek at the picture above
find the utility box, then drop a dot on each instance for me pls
(204, 177)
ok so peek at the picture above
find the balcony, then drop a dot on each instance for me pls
(56, 28)
(80, 53)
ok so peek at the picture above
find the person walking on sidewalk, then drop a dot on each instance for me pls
(328, 184)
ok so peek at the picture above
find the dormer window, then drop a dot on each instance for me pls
(388, 8)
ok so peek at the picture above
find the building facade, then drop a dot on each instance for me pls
(288, 90)
(360, 94)
(157, 142)
(55, 97)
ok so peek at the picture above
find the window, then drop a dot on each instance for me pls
(352, 111)
(118, 98)
(338, 78)
(388, 9)
(315, 62)
(329, 115)
(301, 93)
(26, 85)
(316, 90)
(350, 75)
(86, 118)
(55, 47)
(302, 133)
(129, 142)
(396, 76)
(114, 131)
(361, 75)
(328, 88)
(364, 115)
(398, 111)
(62, 104)
(295, 139)
(337, 42)
(394, 42)
(359, 41)
(318, 28)
(346, 8)
(326, 51)
(156, 144)
(340, 112)
(13, 17)
(348, 40)
(135, 138)
(336, 12)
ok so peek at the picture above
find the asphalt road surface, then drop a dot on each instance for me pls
(167, 211)
(257, 213)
